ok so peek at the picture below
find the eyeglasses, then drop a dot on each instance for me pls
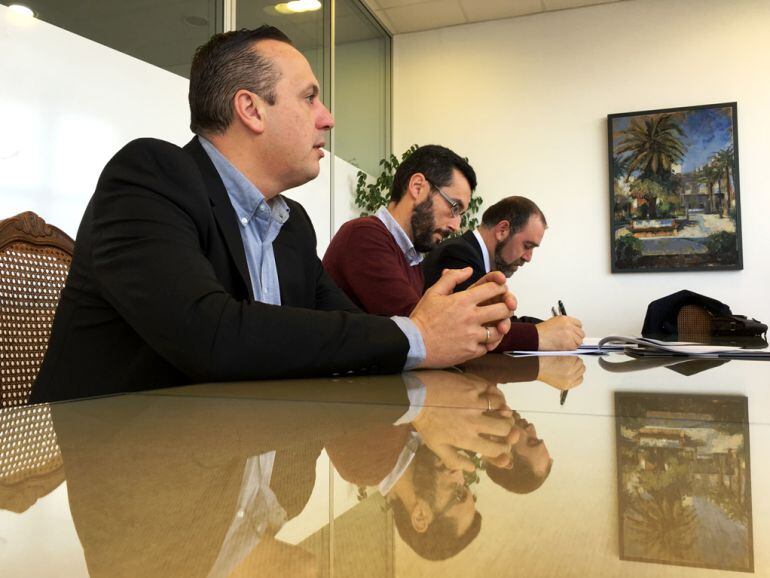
(457, 497)
(455, 207)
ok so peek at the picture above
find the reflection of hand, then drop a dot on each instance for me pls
(456, 417)
(562, 372)
(560, 333)
(455, 326)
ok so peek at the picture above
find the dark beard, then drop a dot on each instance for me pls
(502, 265)
(423, 224)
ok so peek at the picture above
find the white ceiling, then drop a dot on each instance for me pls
(402, 16)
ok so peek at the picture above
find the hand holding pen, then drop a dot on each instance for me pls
(572, 336)
(563, 395)
(560, 332)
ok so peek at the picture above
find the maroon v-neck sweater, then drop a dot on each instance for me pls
(365, 262)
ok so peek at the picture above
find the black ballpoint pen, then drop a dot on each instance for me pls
(563, 396)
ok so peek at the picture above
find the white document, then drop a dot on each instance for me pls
(590, 346)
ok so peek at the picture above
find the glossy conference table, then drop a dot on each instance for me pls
(644, 470)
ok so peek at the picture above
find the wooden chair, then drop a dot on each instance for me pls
(34, 261)
(30, 460)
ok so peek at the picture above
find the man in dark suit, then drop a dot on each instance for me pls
(190, 266)
(510, 231)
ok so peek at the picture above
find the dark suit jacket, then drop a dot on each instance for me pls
(464, 251)
(159, 293)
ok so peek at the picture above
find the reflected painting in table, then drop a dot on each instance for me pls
(684, 490)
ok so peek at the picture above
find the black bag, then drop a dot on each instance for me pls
(738, 330)
(726, 328)
(737, 326)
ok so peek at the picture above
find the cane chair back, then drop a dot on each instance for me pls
(694, 324)
(30, 460)
(35, 258)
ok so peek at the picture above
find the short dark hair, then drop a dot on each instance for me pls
(516, 210)
(521, 479)
(440, 541)
(437, 164)
(224, 65)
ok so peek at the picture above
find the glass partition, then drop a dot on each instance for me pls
(165, 34)
(305, 29)
(362, 87)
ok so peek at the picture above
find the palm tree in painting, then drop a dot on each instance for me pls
(708, 176)
(652, 145)
(723, 165)
(657, 515)
(663, 525)
(622, 202)
(620, 166)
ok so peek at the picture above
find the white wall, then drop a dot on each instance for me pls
(67, 105)
(526, 100)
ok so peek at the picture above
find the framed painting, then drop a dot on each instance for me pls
(684, 491)
(674, 189)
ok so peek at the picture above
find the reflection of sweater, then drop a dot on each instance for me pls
(364, 260)
(464, 251)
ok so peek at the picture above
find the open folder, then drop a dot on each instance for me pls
(645, 346)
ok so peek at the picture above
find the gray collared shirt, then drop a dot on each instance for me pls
(260, 222)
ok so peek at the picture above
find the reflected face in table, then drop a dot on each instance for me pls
(453, 500)
(532, 448)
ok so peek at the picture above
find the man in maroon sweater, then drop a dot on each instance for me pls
(376, 259)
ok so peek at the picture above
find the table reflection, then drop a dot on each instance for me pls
(683, 472)
(468, 472)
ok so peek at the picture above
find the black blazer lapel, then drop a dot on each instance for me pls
(473, 242)
(222, 209)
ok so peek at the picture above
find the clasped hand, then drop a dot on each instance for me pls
(456, 327)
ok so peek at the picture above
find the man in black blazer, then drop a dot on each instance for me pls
(190, 266)
(510, 231)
